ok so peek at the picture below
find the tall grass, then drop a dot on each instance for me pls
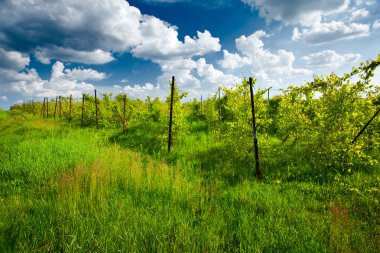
(66, 189)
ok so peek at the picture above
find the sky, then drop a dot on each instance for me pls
(63, 47)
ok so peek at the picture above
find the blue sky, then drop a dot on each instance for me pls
(62, 47)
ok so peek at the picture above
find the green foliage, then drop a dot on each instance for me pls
(3, 114)
(180, 127)
(323, 117)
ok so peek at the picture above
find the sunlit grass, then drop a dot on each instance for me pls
(67, 189)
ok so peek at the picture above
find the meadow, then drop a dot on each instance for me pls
(69, 188)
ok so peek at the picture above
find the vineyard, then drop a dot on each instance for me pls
(238, 171)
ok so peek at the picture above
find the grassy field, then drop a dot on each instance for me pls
(82, 190)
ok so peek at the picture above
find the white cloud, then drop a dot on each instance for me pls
(213, 76)
(321, 33)
(160, 42)
(233, 61)
(269, 67)
(320, 20)
(83, 74)
(182, 69)
(4, 98)
(141, 91)
(45, 55)
(329, 59)
(297, 12)
(359, 14)
(13, 60)
(93, 35)
(376, 24)
(29, 83)
(254, 54)
(124, 81)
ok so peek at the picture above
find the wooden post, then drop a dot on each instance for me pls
(366, 125)
(55, 107)
(171, 114)
(71, 97)
(124, 114)
(220, 119)
(60, 107)
(255, 142)
(82, 118)
(43, 109)
(268, 106)
(201, 105)
(47, 107)
(96, 111)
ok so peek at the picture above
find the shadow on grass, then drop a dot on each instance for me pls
(211, 160)
(201, 153)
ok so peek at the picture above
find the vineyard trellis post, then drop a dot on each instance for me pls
(60, 107)
(219, 116)
(71, 97)
(43, 109)
(47, 107)
(96, 111)
(55, 106)
(171, 114)
(268, 106)
(201, 105)
(124, 113)
(255, 142)
(82, 117)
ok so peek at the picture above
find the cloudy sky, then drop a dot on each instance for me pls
(62, 47)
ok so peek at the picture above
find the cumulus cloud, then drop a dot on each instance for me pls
(318, 21)
(142, 91)
(329, 59)
(233, 61)
(297, 12)
(109, 25)
(45, 55)
(91, 31)
(376, 24)
(4, 97)
(61, 82)
(253, 53)
(13, 60)
(161, 42)
(214, 76)
(270, 68)
(68, 30)
(321, 33)
(83, 74)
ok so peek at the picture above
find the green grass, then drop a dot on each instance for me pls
(69, 189)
